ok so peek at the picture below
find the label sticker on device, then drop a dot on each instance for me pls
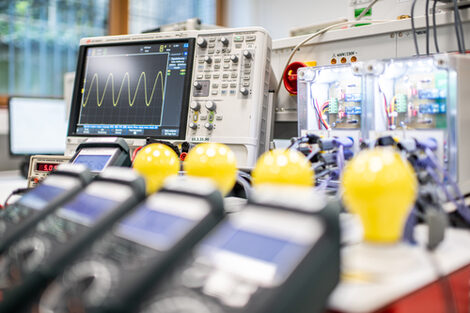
(199, 139)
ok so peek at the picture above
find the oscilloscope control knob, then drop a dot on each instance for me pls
(195, 106)
(224, 41)
(247, 54)
(193, 125)
(234, 58)
(197, 85)
(208, 59)
(201, 42)
(209, 126)
(210, 105)
(244, 91)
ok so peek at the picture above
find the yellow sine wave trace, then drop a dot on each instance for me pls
(143, 76)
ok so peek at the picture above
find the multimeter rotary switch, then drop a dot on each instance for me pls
(234, 58)
(195, 106)
(209, 126)
(201, 42)
(247, 54)
(193, 125)
(210, 105)
(197, 85)
(208, 59)
(31, 251)
(244, 91)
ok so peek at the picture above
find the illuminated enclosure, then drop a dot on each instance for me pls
(412, 94)
(418, 99)
(329, 98)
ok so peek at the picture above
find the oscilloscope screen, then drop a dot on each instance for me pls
(133, 89)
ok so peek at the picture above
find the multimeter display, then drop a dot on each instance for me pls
(95, 163)
(40, 196)
(46, 167)
(153, 228)
(277, 251)
(85, 209)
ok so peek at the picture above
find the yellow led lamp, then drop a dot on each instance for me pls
(156, 162)
(283, 167)
(215, 161)
(380, 186)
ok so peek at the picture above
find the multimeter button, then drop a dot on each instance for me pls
(195, 276)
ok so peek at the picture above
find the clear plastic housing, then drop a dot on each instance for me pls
(411, 94)
(329, 98)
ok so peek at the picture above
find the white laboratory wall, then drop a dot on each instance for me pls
(279, 16)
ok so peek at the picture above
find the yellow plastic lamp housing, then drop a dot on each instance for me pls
(214, 161)
(283, 167)
(380, 186)
(156, 162)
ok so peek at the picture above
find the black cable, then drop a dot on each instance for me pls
(462, 37)
(444, 282)
(415, 39)
(13, 193)
(456, 25)
(434, 28)
(427, 26)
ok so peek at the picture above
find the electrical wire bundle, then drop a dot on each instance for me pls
(390, 111)
(328, 157)
(320, 112)
(457, 25)
(436, 185)
(428, 207)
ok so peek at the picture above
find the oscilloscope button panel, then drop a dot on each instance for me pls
(227, 102)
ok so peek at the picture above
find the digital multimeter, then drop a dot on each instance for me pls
(99, 153)
(58, 188)
(43, 253)
(266, 258)
(119, 268)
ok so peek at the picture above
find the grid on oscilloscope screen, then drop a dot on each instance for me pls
(134, 89)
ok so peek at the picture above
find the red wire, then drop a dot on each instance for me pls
(386, 109)
(135, 153)
(320, 116)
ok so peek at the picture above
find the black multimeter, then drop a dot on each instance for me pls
(59, 187)
(119, 269)
(99, 153)
(269, 257)
(43, 253)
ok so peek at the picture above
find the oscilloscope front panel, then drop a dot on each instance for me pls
(194, 86)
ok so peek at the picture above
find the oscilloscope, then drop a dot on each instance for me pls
(193, 86)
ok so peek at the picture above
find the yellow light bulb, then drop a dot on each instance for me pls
(283, 167)
(380, 186)
(215, 161)
(156, 162)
